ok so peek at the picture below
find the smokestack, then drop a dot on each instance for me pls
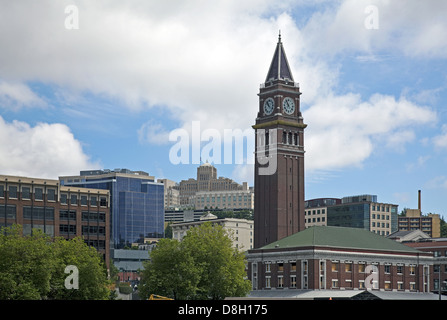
(419, 200)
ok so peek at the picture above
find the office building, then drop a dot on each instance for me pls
(207, 180)
(236, 199)
(413, 219)
(172, 194)
(136, 203)
(364, 211)
(241, 229)
(316, 211)
(58, 211)
(181, 215)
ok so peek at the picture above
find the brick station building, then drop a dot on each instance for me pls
(338, 258)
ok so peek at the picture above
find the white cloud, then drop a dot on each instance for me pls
(244, 173)
(17, 95)
(410, 28)
(203, 60)
(43, 151)
(440, 141)
(439, 182)
(344, 131)
(152, 132)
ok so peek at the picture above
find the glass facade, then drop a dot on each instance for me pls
(136, 207)
(352, 215)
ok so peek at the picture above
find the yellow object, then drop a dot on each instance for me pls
(157, 297)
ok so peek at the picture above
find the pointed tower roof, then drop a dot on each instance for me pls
(279, 67)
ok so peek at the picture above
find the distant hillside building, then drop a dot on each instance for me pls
(207, 181)
(235, 199)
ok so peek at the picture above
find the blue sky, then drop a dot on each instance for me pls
(103, 84)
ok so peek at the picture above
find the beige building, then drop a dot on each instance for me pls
(315, 213)
(236, 199)
(207, 180)
(242, 229)
(414, 220)
(355, 211)
(171, 193)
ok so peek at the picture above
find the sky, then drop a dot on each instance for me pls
(124, 84)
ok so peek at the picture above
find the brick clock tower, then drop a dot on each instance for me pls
(279, 155)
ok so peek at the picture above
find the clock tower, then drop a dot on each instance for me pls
(279, 155)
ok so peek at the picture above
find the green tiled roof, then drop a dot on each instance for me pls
(340, 237)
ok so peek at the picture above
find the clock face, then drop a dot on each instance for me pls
(288, 105)
(269, 105)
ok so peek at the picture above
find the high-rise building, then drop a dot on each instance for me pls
(59, 211)
(172, 194)
(279, 153)
(207, 180)
(316, 211)
(235, 199)
(137, 203)
(364, 211)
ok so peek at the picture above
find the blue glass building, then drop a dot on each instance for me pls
(136, 203)
(364, 212)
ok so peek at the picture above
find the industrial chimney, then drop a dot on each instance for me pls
(419, 200)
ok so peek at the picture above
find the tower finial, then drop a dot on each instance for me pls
(279, 36)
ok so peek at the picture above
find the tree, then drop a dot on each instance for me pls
(93, 283)
(33, 267)
(171, 272)
(26, 264)
(168, 231)
(443, 228)
(222, 266)
(203, 266)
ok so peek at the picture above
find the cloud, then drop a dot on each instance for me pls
(411, 28)
(438, 182)
(344, 131)
(44, 151)
(203, 61)
(420, 163)
(154, 133)
(17, 95)
(244, 173)
(440, 141)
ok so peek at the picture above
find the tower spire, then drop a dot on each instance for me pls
(279, 67)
